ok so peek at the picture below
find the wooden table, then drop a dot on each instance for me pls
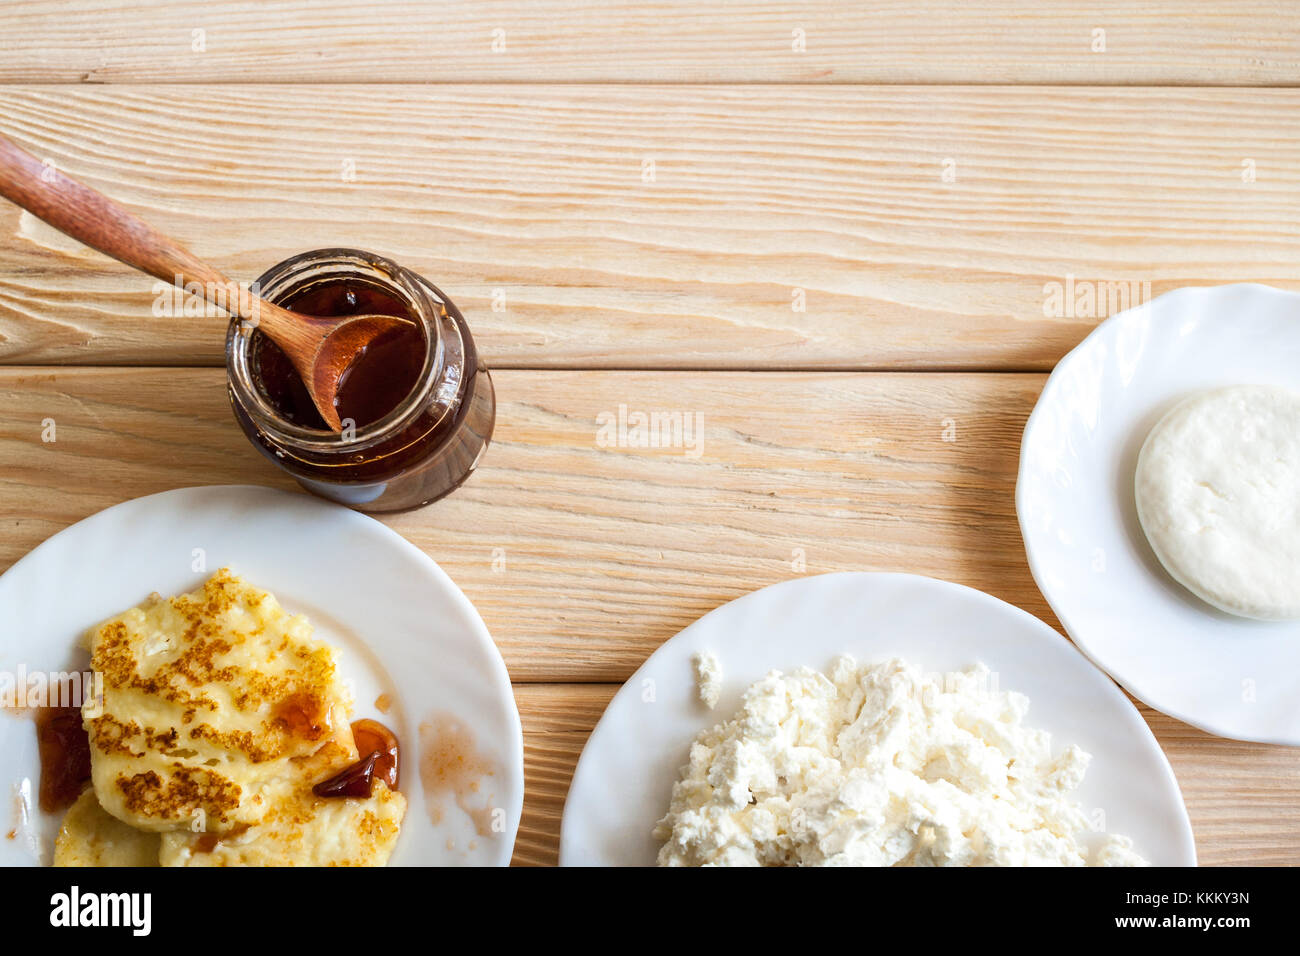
(829, 229)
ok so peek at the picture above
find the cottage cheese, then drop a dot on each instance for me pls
(881, 766)
(708, 678)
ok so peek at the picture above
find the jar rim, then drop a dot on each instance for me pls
(426, 305)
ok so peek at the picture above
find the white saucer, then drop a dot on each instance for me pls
(1227, 675)
(625, 777)
(403, 627)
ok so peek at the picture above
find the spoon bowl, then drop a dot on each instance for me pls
(321, 350)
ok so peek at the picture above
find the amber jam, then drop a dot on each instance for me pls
(379, 749)
(417, 405)
(373, 737)
(373, 385)
(65, 756)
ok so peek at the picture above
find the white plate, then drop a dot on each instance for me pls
(625, 777)
(1227, 675)
(403, 627)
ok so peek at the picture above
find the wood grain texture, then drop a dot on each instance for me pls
(557, 720)
(1242, 798)
(534, 196)
(610, 551)
(330, 41)
(583, 558)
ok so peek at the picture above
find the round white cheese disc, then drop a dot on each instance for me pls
(1218, 496)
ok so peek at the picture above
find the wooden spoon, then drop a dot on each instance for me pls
(321, 349)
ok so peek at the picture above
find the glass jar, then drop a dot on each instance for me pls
(429, 442)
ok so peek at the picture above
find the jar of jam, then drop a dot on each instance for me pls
(417, 405)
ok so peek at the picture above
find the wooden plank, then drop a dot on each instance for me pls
(557, 720)
(763, 198)
(923, 41)
(1241, 797)
(583, 558)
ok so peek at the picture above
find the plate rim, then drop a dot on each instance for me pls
(1133, 715)
(1035, 560)
(514, 745)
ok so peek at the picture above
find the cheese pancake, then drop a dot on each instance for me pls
(207, 699)
(302, 829)
(91, 837)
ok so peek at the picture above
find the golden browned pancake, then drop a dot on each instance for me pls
(208, 698)
(91, 837)
(302, 830)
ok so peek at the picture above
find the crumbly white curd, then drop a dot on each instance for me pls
(708, 678)
(879, 765)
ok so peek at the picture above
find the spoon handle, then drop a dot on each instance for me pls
(92, 218)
